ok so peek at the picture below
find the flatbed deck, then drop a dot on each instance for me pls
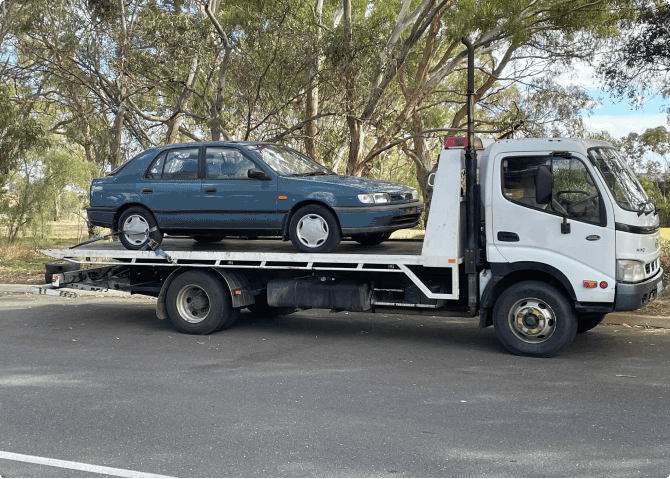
(272, 250)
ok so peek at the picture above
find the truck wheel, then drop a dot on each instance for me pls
(533, 318)
(314, 229)
(137, 221)
(198, 303)
(57, 267)
(588, 321)
(371, 239)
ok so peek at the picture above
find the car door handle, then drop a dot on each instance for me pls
(508, 236)
(147, 190)
(209, 191)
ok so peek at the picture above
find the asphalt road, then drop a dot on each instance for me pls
(102, 382)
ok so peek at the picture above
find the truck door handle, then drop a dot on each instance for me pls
(147, 190)
(508, 236)
(210, 191)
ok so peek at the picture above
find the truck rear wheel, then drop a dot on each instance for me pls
(199, 303)
(533, 318)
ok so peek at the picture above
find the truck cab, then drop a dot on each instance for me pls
(565, 214)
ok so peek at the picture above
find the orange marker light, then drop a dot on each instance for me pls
(282, 197)
(590, 284)
(452, 260)
(238, 292)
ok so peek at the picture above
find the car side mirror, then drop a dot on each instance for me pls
(256, 174)
(544, 182)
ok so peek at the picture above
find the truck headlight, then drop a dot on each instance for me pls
(376, 198)
(415, 195)
(629, 271)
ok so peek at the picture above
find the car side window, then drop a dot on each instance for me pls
(227, 163)
(156, 169)
(574, 193)
(181, 164)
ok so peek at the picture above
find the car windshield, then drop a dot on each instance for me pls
(620, 180)
(288, 162)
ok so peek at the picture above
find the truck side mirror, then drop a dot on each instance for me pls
(544, 182)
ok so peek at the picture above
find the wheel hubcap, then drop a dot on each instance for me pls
(312, 230)
(135, 229)
(532, 320)
(193, 304)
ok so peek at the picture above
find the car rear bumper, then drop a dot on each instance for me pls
(101, 216)
(378, 219)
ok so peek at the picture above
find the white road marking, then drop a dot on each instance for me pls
(77, 466)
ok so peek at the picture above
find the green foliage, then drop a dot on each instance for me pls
(19, 131)
(35, 191)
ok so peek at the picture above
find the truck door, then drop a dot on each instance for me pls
(571, 231)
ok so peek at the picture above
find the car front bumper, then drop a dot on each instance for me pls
(378, 218)
(630, 297)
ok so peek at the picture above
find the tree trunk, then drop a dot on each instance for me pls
(312, 107)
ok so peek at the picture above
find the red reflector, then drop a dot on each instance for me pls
(456, 141)
(603, 284)
(590, 284)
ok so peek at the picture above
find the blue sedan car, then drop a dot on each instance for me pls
(210, 190)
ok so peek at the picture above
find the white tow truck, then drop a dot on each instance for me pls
(540, 238)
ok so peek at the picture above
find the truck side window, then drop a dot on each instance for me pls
(574, 190)
(574, 193)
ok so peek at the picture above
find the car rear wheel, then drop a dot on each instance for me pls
(371, 239)
(314, 229)
(138, 228)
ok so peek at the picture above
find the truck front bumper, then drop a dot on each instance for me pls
(630, 297)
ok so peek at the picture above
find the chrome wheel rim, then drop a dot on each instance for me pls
(138, 227)
(532, 320)
(312, 230)
(193, 304)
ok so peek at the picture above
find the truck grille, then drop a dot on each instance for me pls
(651, 267)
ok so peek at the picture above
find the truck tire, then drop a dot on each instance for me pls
(137, 218)
(314, 229)
(57, 267)
(198, 302)
(371, 239)
(533, 318)
(588, 321)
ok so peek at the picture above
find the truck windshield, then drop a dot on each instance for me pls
(621, 180)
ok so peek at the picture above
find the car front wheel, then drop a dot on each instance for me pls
(138, 228)
(314, 229)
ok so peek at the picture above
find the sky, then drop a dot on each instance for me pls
(616, 116)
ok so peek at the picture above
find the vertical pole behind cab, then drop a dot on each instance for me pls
(472, 202)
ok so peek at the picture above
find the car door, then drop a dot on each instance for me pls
(233, 201)
(569, 233)
(171, 188)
